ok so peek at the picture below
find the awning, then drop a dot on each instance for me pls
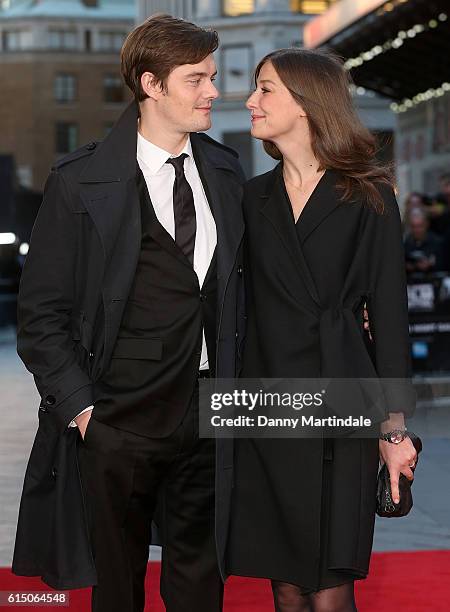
(398, 48)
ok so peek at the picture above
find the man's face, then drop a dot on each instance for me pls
(185, 106)
(415, 201)
(418, 227)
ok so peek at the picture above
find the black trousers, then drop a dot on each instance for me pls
(127, 480)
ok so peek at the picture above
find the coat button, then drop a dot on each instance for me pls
(50, 400)
(42, 408)
(91, 146)
(54, 472)
(202, 297)
(240, 269)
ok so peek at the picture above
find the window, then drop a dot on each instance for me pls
(236, 69)
(311, 7)
(16, 40)
(233, 8)
(112, 89)
(66, 137)
(65, 88)
(62, 39)
(243, 144)
(111, 41)
(87, 40)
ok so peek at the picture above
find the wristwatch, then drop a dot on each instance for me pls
(395, 436)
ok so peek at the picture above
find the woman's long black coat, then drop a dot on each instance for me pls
(341, 255)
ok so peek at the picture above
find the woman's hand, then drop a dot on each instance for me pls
(399, 458)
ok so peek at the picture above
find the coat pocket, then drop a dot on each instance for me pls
(138, 348)
(81, 330)
(39, 469)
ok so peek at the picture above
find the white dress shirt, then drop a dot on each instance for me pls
(160, 178)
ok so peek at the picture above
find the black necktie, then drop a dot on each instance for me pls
(183, 209)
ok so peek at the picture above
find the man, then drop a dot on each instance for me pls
(131, 291)
(423, 248)
(439, 210)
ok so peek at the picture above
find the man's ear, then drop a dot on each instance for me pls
(151, 86)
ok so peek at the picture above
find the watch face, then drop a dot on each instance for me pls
(397, 437)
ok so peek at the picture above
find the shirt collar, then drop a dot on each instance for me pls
(153, 157)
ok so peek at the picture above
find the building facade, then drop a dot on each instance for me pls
(61, 84)
(423, 145)
(399, 49)
(248, 30)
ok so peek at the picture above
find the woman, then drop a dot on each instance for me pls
(323, 237)
(413, 202)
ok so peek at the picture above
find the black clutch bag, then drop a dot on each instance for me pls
(385, 504)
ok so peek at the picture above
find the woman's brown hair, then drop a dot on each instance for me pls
(160, 44)
(318, 82)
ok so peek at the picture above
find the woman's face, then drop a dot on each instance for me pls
(274, 112)
(414, 201)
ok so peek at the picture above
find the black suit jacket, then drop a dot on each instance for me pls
(74, 287)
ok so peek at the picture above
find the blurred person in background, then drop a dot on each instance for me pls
(323, 232)
(439, 210)
(413, 201)
(446, 251)
(423, 248)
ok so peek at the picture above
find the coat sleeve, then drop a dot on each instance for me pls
(388, 309)
(45, 305)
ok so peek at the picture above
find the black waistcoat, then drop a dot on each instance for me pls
(149, 383)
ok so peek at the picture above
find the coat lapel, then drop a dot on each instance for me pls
(114, 159)
(318, 206)
(224, 194)
(276, 209)
(109, 192)
(108, 187)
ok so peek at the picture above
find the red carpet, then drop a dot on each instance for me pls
(407, 581)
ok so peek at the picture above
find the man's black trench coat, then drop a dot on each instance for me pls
(74, 288)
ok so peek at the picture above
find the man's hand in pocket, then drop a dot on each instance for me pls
(82, 421)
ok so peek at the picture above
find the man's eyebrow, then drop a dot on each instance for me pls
(199, 74)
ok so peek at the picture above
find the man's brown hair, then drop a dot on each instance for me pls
(160, 44)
